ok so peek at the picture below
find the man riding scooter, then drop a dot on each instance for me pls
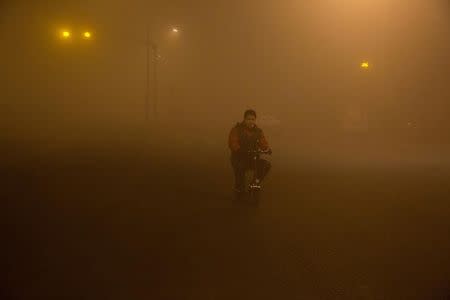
(245, 138)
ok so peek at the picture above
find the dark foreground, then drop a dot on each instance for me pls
(121, 224)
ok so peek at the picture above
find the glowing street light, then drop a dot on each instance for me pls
(175, 30)
(365, 65)
(65, 34)
(87, 35)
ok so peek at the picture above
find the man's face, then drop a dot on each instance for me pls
(250, 121)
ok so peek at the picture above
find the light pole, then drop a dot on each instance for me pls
(147, 77)
(152, 59)
(366, 94)
(155, 79)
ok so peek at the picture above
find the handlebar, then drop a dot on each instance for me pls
(268, 152)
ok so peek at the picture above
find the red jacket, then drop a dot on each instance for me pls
(240, 130)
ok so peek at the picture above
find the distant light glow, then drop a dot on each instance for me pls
(65, 34)
(87, 35)
(175, 30)
(365, 65)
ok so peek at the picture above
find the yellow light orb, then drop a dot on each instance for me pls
(65, 34)
(87, 35)
(365, 65)
(175, 30)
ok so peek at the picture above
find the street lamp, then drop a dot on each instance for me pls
(87, 35)
(152, 59)
(65, 34)
(366, 92)
(365, 65)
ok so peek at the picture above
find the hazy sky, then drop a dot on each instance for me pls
(296, 60)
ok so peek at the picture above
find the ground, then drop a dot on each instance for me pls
(113, 222)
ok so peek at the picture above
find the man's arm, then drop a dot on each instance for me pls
(233, 140)
(262, 143)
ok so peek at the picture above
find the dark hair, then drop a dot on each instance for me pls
(249, 112)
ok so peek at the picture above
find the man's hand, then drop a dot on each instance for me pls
(268, 151)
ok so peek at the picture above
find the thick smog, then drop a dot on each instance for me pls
(225, 149)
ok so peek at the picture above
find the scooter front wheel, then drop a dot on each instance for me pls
(254, 195)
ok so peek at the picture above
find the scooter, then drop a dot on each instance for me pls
(251, 192)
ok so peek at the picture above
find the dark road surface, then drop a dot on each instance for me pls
(127, 224)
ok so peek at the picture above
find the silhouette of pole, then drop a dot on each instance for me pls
(147, 78)
(155, 80)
